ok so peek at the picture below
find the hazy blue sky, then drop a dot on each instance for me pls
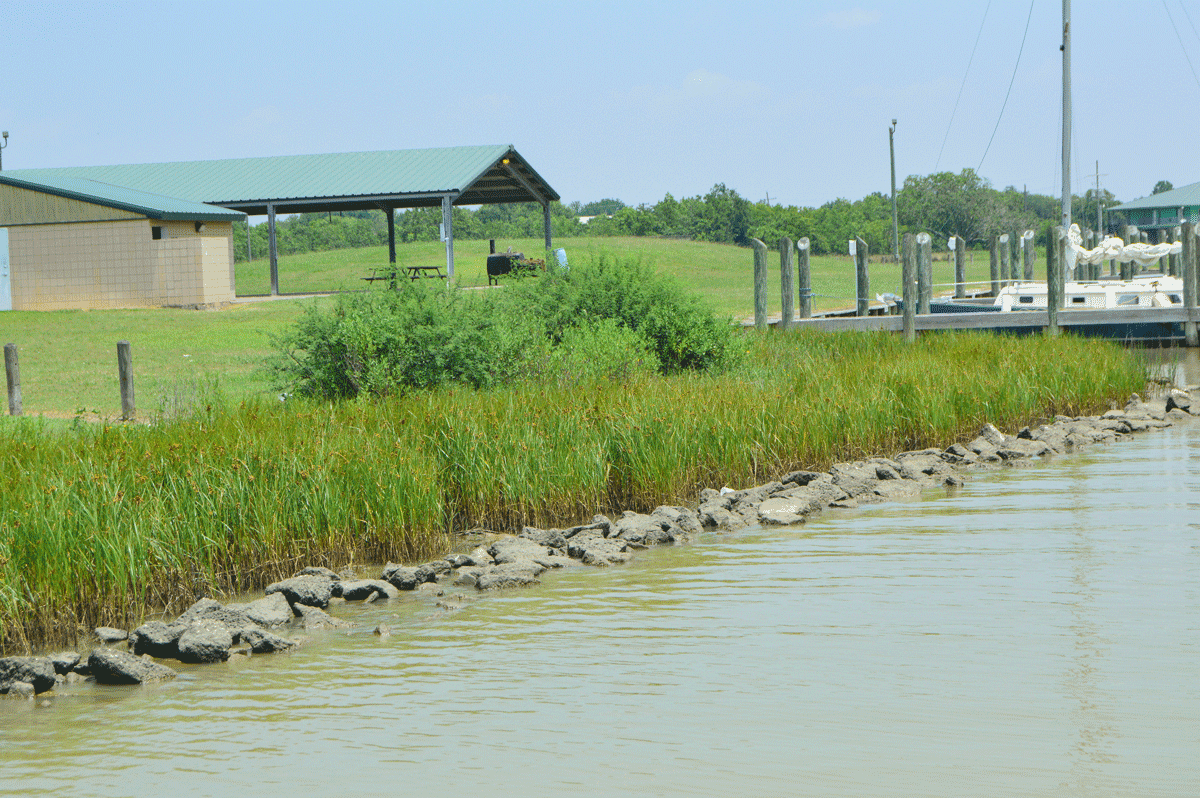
(616, 99)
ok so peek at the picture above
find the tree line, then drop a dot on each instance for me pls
(942, 204)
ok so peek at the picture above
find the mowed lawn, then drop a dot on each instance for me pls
(68, 359)
(722, 273)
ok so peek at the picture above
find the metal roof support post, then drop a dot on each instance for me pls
(448, 228)
(391, 219)
(274, 250)
(546, 224)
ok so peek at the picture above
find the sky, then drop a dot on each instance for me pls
(789, 101)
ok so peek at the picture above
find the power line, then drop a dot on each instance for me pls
(1010, 85)
(978, 36)
(1181, 47)
(1189, 19)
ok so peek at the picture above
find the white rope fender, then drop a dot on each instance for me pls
(1113, 248)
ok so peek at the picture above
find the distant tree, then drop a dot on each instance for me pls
(604, 207)
(1161, 186)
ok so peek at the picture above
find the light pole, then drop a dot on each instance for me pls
(895, 218)
(2, 146)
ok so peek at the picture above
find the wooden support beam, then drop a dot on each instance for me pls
(273, 249)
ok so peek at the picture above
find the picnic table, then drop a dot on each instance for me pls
(392, 273)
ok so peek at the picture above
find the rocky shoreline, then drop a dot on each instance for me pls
(210, 632)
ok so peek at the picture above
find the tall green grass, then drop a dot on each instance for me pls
(104, 523)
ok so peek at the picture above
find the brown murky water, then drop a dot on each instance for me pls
(1036, 634)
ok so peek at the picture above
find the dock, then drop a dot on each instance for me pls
(1127, 324)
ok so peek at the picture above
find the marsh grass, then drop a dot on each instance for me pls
(102, 524)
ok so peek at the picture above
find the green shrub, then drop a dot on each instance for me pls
(609, 317)
(418, 336)
(599, 349)
(684, 332)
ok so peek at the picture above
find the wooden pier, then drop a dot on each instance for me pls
(1143, 324)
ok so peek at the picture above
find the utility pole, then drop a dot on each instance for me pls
(895, 218)
(1099, 212)
(1066, 115)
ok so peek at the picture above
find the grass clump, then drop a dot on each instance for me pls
(103, 523)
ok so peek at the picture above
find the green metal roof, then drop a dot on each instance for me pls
(155, 206)
(398, 178)
(1182, 197)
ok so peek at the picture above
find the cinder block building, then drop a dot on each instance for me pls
(70, 242)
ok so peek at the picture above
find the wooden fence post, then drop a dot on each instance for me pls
(787, 282)
(760, 284)
(862, 275)
(125, 375)
(960, 267)
(804, 285)
(924, 272)
(908, 277)
(1030, 249)
(12, 370)
(994, 265)
(1188, 257)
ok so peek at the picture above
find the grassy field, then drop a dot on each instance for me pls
(722, 273)
(102, 523)
(68, 358)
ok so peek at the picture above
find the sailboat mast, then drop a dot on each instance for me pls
(1066, 115)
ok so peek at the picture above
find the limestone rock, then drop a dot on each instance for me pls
(205, 641)
(264, 642)
(324, 573)
(64, 661)
(316, 618)
(310, 591)
(516, 574)
(404, 577)
(593, 549)
(363, 589)
(108, 635)
(36, 671)
(782, 511)
(270, 610)
(156, 638)
(108, 666)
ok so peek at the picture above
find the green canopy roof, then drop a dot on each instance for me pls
(1182, 197)
(154, 206)
(339, 181)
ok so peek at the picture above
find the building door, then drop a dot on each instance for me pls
(5, 285)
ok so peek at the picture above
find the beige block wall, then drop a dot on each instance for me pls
(118, 264)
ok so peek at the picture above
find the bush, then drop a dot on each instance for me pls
(599, 349)
(606, 317)
(683, 331)
(418, 336)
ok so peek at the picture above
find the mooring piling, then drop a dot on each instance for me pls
(960, 267)
(908, 279)
(804, 278)
(862, 276)
(787, 282)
